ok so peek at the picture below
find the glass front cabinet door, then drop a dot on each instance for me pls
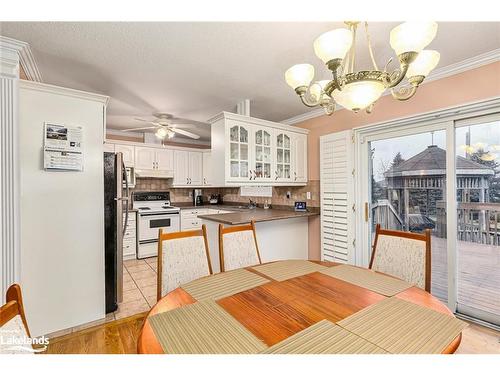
(263, 154)
(283, 157)
(239, 146)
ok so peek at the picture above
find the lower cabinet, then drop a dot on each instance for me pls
(190, 220)
(130, 237)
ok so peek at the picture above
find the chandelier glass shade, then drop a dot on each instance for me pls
(357, 90)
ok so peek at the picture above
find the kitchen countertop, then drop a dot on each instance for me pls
(243, 216)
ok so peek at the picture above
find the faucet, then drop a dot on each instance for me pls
(252, 204)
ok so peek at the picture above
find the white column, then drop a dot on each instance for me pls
(9, 164)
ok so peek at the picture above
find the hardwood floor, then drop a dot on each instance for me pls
(117, 337)
(120, 337)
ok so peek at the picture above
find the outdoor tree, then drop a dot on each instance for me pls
(481, 157)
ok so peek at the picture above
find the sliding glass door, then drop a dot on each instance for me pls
(408, 192)
(477, 169)
(443, 176)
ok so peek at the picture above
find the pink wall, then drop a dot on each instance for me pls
(470, 86)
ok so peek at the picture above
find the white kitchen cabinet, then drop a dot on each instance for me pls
(164, 160)
(188, 168)
(109, 147)
(250, 151)
(181, 166)
(195, 168)
(154, 162)
(299, 158)
(207, 169)
(262, 165)
(283, 156)
(145, 158)
(130, 237)
(238, 145)
(128, 154)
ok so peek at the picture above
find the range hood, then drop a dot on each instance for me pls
(153, 173)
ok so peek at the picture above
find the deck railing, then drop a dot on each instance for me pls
(476, 222)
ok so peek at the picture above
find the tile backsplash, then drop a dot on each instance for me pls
(279, 198)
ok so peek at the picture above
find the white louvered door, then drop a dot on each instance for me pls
(337, 197)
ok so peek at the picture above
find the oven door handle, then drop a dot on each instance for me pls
(159, 214)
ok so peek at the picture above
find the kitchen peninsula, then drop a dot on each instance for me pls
(281, 233)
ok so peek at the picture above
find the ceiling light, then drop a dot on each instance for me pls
(360, 89)
(161, 133)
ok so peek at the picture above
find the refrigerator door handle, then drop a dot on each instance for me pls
(124, 173)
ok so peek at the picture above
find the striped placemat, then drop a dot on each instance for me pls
(368, 279)
(288, 269)
(203, 328)
(223, 284)
(399, 326)
(324, 337)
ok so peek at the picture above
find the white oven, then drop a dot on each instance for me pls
(154, 213)
(151, 222)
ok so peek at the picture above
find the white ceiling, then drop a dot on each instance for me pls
(195, 70)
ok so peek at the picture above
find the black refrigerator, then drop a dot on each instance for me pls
(115, 223)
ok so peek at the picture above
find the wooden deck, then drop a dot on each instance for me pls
(478, 274)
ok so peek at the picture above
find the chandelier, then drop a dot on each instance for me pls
(357, 90)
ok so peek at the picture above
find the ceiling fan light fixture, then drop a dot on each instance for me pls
(161, 133)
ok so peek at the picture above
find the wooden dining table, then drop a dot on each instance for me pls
(277, 310)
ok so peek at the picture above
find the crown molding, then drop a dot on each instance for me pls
(29, 65)
(24, 84)
(443, 72)
(11, 47)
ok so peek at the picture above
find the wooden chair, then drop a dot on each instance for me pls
(182, 257)
(238, 247)
(404, 255)
(13, 320)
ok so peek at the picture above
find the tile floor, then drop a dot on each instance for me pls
(139, 287)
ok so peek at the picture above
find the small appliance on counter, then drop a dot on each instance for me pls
(215, 199)
(197, 197)
(300, 207)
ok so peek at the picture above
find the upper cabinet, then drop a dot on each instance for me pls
(283, 156)
(128, 154)
(188, 168)
(263, 158)
(154, 162)
(238, 144)
(207, 168)
(255, 151)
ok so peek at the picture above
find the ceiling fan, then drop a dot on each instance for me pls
(167, 125)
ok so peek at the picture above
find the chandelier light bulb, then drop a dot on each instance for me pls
(161, 133)
(317, 89)
(426, 61)
(299, 75)
(412, 36)
(333, 44)
(358, 95)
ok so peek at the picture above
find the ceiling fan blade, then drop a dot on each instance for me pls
(178, 120)
(183, 132)
(136, 129)
(141, 119)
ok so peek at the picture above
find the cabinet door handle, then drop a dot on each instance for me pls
(295, 174)
(276, 174)
(250, 174)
